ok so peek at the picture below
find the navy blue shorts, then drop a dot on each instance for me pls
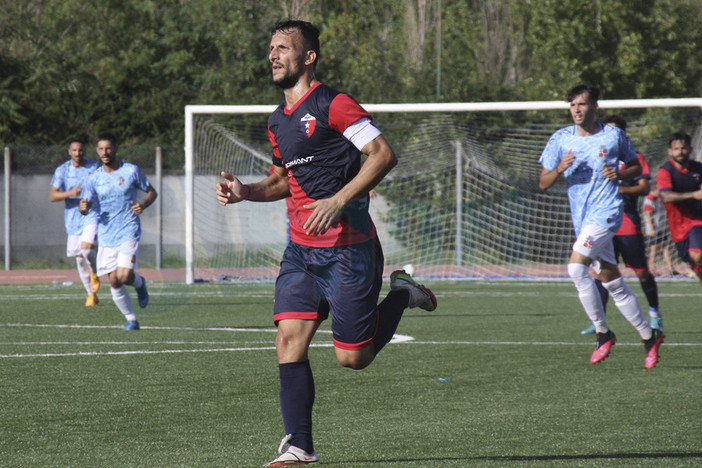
(344, 280)
(632, 249)
(693, 242)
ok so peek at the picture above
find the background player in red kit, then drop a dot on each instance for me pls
(333, 262)
(680, 186)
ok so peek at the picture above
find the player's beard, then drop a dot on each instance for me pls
(286, 82)
(291, 76)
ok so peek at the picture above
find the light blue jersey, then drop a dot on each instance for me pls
(67, 176)
(594, 199)
(113, 193)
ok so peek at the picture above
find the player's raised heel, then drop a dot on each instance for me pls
(603, 345)
(131, 325)
(143, 295)
(94, 283)
(420, 296)
(652, 345)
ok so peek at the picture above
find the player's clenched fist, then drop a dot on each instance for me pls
(84, 206)
(231, 190)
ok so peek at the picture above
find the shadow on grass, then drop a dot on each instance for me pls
(523, 458)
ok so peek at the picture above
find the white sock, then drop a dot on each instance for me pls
(123, 302)
(588, 295)
(627, 303)
(84, 272)
(138, 280)
(91, 256)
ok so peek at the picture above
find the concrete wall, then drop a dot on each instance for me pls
(38, 232)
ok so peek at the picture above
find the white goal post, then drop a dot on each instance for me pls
(461, 203)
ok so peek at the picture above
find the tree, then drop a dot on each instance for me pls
(79, 66)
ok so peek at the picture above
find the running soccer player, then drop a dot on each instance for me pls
(588, 155)
(680, 187)
(66, 185)
(333, 263)
(657, 232)
(113, 190)
(629, 243)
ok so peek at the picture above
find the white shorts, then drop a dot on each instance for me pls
(110, 258)
(73, 245)
(595, 242)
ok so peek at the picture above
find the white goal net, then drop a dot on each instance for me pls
(463, 201)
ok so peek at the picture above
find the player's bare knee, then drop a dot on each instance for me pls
(356, 360)
(355, 364)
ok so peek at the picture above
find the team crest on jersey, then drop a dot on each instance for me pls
(121, 181)
(602, 152)
(308, 123)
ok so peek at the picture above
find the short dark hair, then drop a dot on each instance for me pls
(109, 136)
(616, 119)
(680, 136)
(76, 139)
(592, 91)
(309, 32)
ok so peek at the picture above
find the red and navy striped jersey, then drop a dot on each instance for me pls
(308, 141)
(684, 215)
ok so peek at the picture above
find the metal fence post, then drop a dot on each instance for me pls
(159, 207)
(8, 218)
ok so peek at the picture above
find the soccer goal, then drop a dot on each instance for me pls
(462, 202)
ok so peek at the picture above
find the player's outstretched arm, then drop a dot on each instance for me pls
(642, 187)
(272, 188)
(669, 196)
(57, 195)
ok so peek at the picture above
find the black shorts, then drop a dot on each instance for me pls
(632, 249)
(344, 280)
(693, 242)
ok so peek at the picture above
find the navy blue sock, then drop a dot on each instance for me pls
(604, 294)
(296, 400)
(389, 314)
(650, 289)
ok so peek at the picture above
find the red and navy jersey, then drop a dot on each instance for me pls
(308, 141)
(631, 223)
(684, 215)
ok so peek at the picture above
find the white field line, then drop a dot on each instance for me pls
(396, 339)
(405, 339)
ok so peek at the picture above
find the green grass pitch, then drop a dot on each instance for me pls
(497, 376)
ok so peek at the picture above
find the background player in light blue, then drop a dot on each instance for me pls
(588, 154)
(113, 189)
(629, 243)
(66, 185)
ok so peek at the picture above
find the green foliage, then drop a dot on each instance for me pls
(80, 67)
